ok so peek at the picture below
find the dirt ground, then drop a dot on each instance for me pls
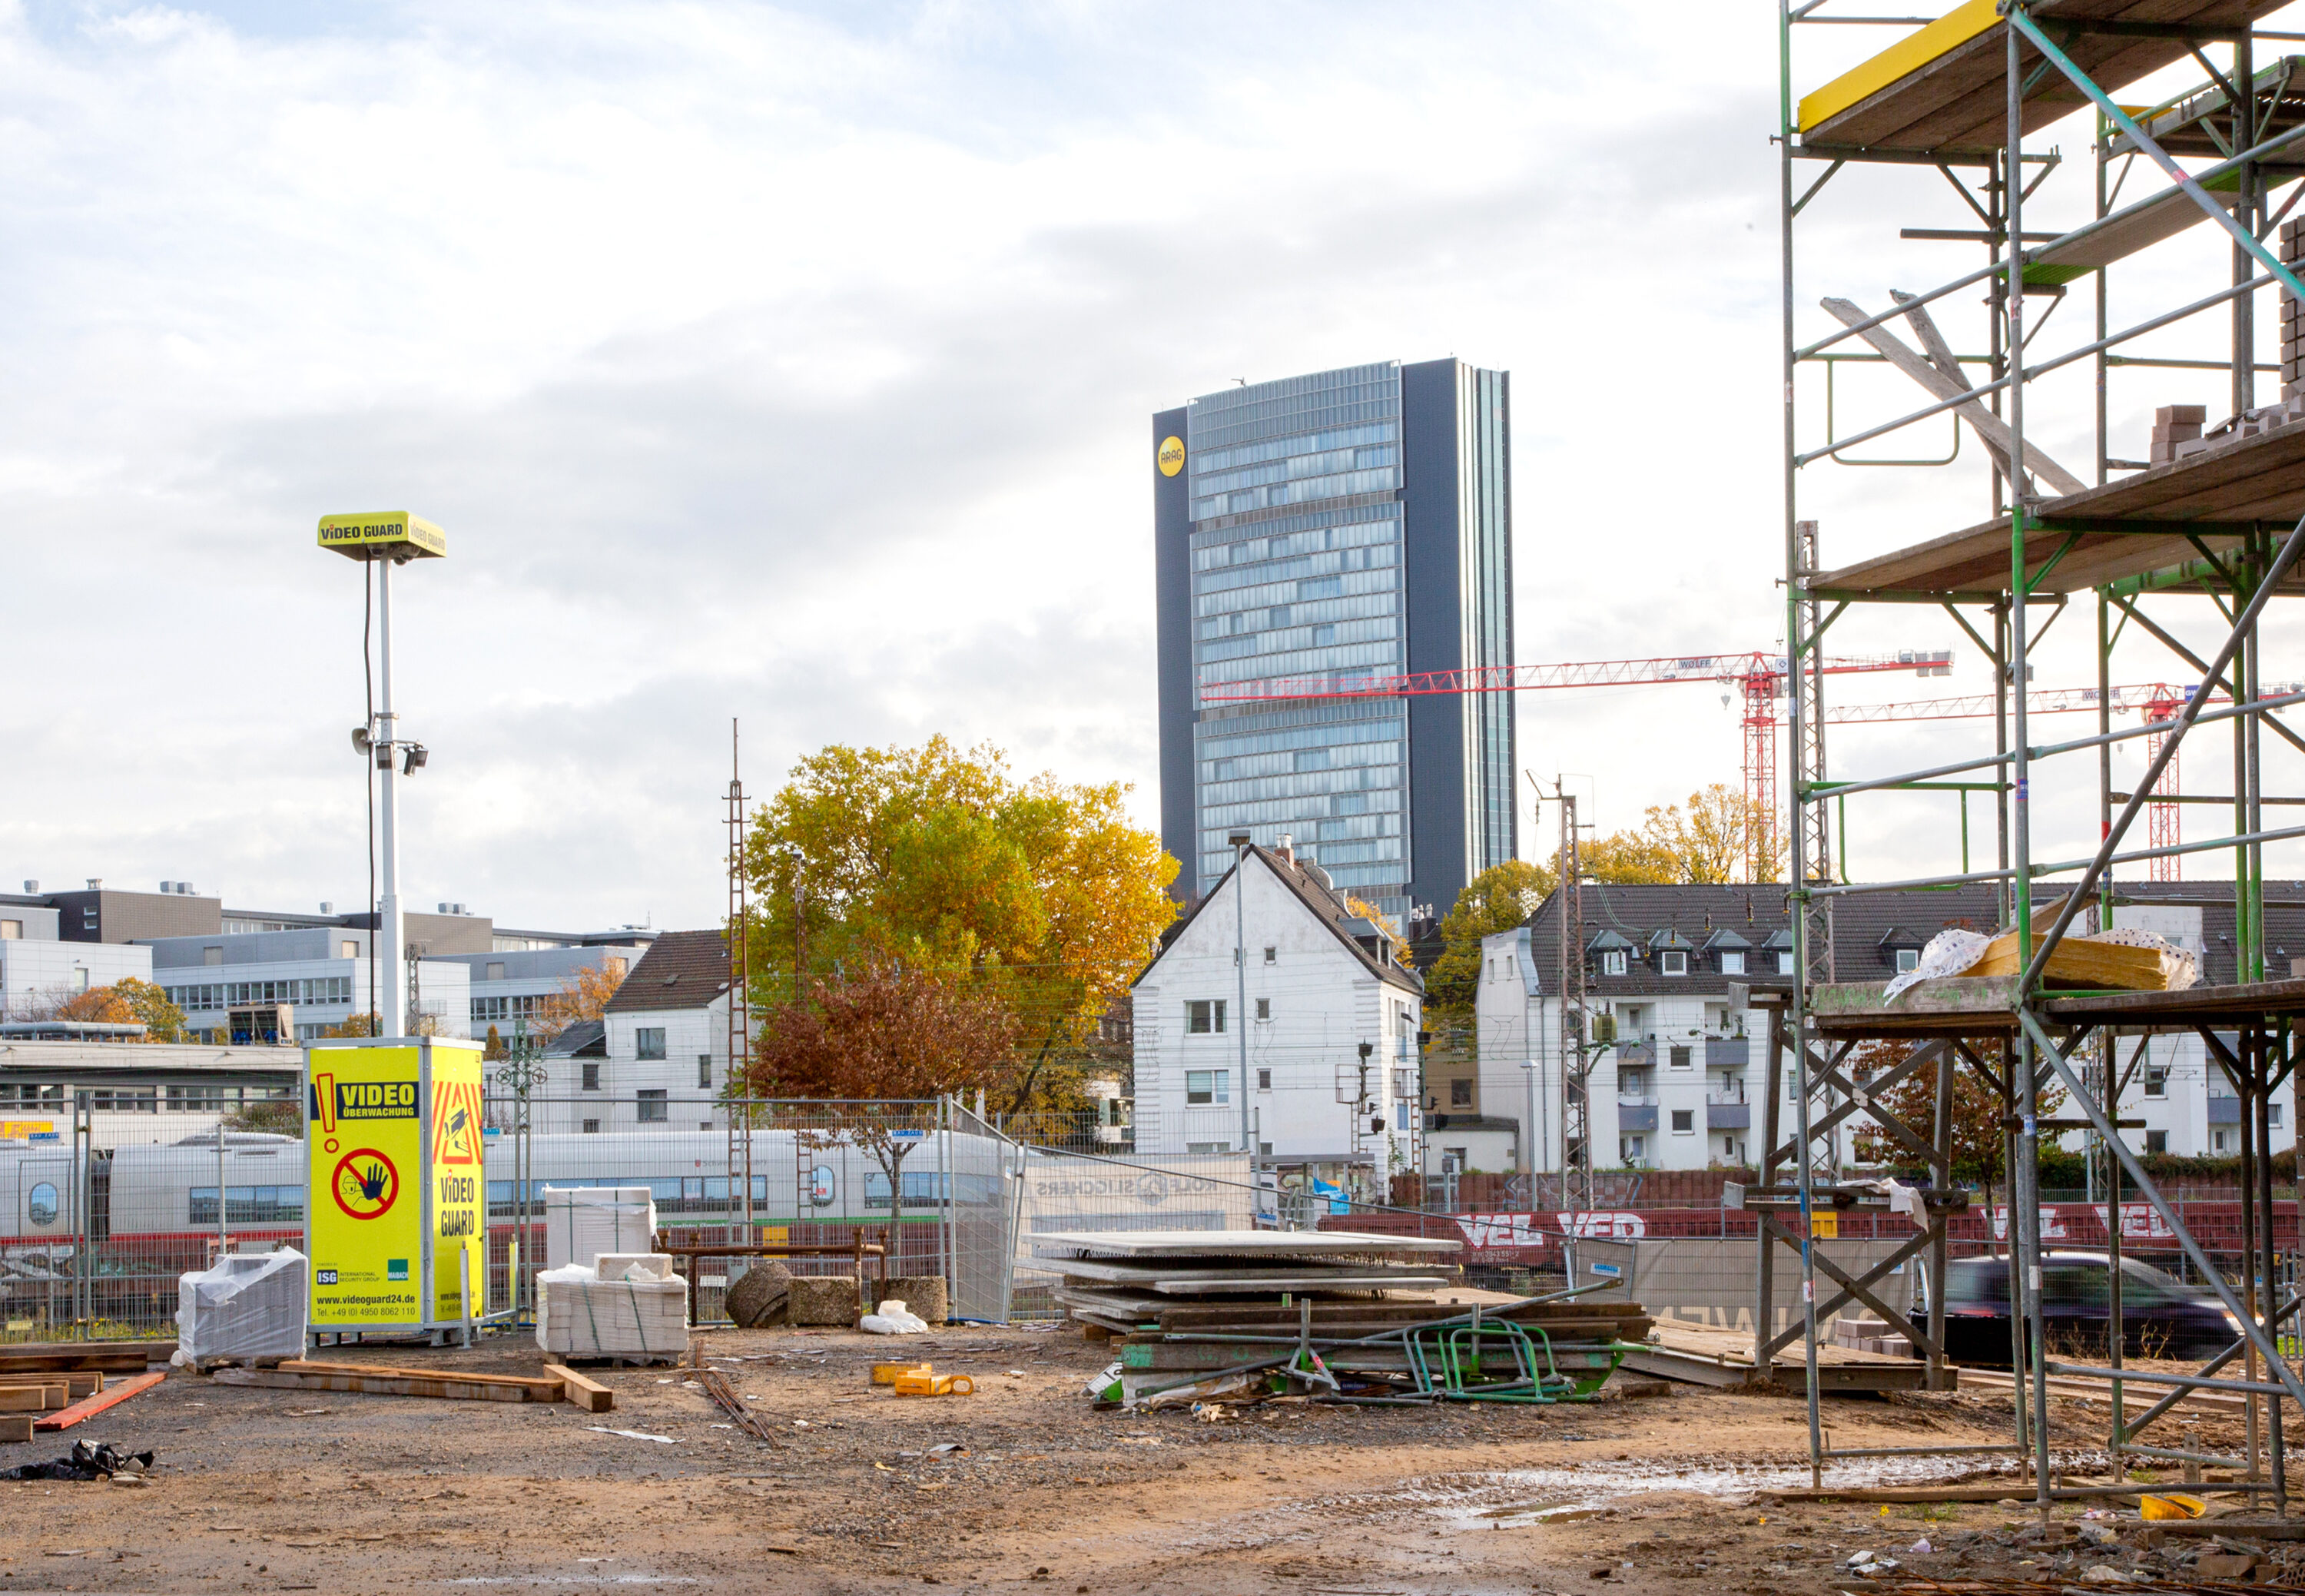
(1022, 1487)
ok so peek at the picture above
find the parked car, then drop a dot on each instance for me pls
(2161, 1315)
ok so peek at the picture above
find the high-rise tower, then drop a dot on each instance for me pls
(1348, 523)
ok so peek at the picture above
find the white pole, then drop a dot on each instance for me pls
(1240, 995)
(392, 1003)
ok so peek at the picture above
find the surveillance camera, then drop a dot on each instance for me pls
(414, 759)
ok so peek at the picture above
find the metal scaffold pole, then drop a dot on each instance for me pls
(2218, 511)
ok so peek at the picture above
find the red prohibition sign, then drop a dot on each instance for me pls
(367, 1191)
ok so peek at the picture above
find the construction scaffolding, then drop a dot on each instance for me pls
(2214, 517)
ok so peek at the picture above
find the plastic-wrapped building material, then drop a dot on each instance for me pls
(615, 1265)
(250, 1307)
(641, 1313)
(583, 1222)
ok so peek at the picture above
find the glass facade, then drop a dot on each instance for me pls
(1298, 571)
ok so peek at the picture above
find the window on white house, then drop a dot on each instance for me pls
(1612, 961)
(704, 1074)
(1460, 1093)
(655, 1106)
(1204, 1016)
(348, 950)
(591, 1127)
(11, 930)
(1673, 961)
(1273, 955)
(591, 1078)
(2157, 1141)
(2156, 1080)
(648, 1041)
(2272, 1113)
(1681, 1056)
(1908, 960)
(79, 980)
(1204, 1086)
(1732, 961)
(1684, 1121)
(1632, 1149)
(1264, 1080)
(2217, 1142)
(1265, 1008)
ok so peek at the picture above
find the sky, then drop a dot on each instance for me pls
(792, 366)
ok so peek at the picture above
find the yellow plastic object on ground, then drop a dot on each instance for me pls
(885, 1374)
(919, 1382)
(2171, 1507)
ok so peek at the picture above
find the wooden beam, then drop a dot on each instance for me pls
(32, 1399)
(15, 1426)
(1989, 427)
(378, 1385)
(77, 1383)
(544, 1389)
(88, 1407)
(591, 1396)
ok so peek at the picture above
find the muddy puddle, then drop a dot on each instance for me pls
(1559, 1495)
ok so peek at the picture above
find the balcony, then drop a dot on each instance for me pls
(1636, 1116)
(1727, 1052)
(1635, 1055)
(1728, 1115)
(2225, 1111)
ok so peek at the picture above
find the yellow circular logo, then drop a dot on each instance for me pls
(1171, 455)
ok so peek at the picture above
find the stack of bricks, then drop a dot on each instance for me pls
(2174, 424)
(2293, 315)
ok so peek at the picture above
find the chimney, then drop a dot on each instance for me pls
(31, 886)
(1288, 849)
(96, 883)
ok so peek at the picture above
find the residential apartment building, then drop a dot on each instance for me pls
(1342, 527)
(1310, 1059)
(664, 1063)
(1678, 1069)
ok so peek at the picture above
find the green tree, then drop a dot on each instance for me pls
(1038, 893)
(127, 1002)
(1498, 898)
(1704, 843)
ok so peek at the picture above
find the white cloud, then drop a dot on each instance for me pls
(794, 364)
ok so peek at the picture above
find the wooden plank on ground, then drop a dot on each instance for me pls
(591, 1396)
(15, 1426)
(377, 1385)
(543, 1389)
(32, 1399)
(113, 1357)
(77, 1383)
(88, 1407)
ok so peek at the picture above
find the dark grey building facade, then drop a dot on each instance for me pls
(1329, 532)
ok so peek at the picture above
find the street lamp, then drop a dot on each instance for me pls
(386, 539)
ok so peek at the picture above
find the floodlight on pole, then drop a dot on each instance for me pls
(386, 539)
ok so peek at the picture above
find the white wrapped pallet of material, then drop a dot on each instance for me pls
(249, 1307)
(615, 1266)
(580, 1315)
(583, 1222)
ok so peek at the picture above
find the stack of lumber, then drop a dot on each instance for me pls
(556, 1384)
(53, 1385)
(1120, 1280)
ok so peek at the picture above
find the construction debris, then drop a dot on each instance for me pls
(717, 1387)
(1326, 1313)
(101, 1461)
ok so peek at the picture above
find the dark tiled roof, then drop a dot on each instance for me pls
(1326, 905)
(582, 1038)
(1866, 928)
(682, 970)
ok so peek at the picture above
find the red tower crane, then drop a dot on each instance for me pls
(1759, 678)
